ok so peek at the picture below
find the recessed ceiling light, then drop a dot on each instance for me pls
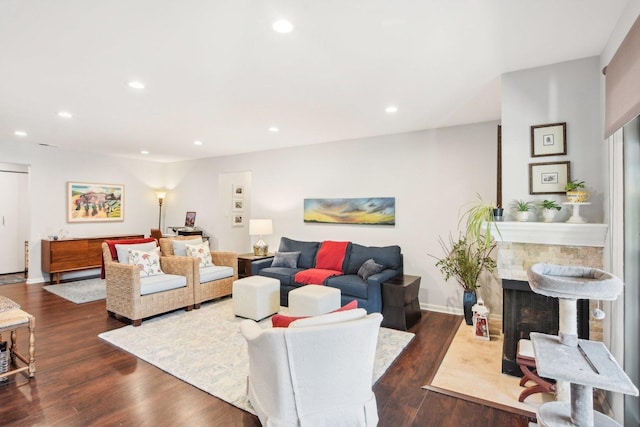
(136, 84)
(282, 26)
(197, 142)
(20, 133)
(145, 152)
(391, 109)
(274, 129)
(65, 114)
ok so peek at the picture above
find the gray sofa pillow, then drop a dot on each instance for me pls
(369, 268)
(307, 251)
(388, 256)
(286, 259)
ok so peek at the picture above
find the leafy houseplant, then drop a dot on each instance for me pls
(480, 214)
(465, 260)
(550, 204)
(522, 209)
(574, 185)
(549, 209)
(576, 192)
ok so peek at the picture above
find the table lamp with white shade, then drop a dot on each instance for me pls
(260, 227)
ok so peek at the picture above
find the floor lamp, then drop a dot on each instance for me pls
(161, 195)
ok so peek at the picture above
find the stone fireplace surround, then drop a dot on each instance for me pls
(522, 244)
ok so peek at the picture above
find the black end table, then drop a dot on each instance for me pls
(244, 263)
(400, 305)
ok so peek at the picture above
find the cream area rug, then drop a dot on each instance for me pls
(471, 369)
(80, 291)
(206, 349)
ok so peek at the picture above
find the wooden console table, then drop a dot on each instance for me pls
(61, 256)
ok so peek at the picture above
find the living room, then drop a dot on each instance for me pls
(432, 174)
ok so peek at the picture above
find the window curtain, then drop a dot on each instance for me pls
(622, 93)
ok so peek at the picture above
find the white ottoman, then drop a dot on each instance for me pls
(312, 300)
(256, 297)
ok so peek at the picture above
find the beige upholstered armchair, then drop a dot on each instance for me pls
(136, 297)
(210, 282)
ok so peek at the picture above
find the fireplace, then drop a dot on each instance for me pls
(524, 312)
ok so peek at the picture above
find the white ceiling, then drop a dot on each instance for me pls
(215, 71)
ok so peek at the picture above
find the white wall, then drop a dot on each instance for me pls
(432, 174)
(52, 168)
(565, 92)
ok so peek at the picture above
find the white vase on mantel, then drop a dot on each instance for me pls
(522, 216)
(549, 214)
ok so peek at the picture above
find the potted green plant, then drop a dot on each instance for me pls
(480, 221)
(521, 209)
(576, 192)
(549, 209)
(465, 259)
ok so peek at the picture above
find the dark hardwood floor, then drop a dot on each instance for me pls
(82, 380)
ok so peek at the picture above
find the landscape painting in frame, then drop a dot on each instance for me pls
(367, 211)
(87, 202)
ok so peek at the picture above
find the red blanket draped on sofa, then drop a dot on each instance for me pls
(328, 263)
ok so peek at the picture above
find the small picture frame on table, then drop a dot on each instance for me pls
(549, 140)
(549, 177)
(190, 219)
(481, 327)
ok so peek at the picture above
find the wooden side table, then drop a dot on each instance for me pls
(244, 263)
(400, 305)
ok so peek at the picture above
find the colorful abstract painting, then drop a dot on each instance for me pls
(369, 211)
(94, 202)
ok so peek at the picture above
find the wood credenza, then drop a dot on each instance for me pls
(60, 256)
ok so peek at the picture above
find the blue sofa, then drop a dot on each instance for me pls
(351, 285)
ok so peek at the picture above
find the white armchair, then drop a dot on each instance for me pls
(317, 372)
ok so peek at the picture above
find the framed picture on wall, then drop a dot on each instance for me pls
(237, 220)
(238, 191)
(238, 205)
(89, 202)
(549, 178)
(549, 140)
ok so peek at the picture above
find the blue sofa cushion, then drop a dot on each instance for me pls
(351, 285)
(388, 256)
(307, 251)
(284, 274)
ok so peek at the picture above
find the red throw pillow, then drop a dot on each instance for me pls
(282, 321)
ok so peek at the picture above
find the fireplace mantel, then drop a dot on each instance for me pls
(554, 233)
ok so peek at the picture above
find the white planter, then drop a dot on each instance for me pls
(522, 216)
(549, 214)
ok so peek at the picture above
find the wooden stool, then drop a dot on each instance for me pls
(526, 359)
(11, 320)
